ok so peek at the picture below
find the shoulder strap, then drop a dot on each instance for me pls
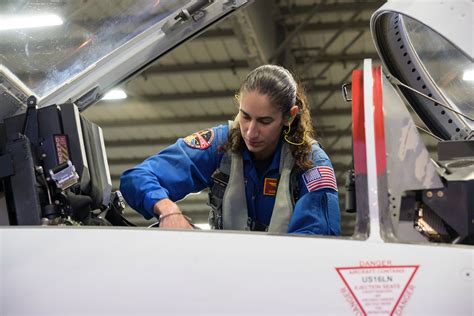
(295, 179)
(295, 184)
(220, 179)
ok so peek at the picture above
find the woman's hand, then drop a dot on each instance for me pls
(171, 215)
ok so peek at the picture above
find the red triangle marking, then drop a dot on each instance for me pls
(376, 288)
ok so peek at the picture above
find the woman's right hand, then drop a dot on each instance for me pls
(175, 219)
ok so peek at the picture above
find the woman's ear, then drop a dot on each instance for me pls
(292, 115)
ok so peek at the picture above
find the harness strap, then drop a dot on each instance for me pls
(220, 179)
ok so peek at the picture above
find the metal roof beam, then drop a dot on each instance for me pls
(331, 26)
(243, 64)
(328, 43)
(128, 122)
(331, 7)
(237, 64)
(14, 48)
(194, 96)
(256, 29)
(336, 58)
(217, 34)
(163, 141)
(170, 140)
(344, 51)
(285, 45)
(196, 67)
(330, 94)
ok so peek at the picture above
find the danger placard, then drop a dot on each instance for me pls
(378, 289)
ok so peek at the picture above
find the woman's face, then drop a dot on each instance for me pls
(260, 124)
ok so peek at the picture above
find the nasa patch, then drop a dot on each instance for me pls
(200, 140)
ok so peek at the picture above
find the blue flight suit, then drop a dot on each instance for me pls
(179, 170)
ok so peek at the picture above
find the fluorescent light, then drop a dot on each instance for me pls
(468, 75)
(12, 22)
(203, 226)
(115, 94)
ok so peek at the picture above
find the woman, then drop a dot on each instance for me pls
(259, 168)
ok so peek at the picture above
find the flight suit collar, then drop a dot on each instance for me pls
(275, 164)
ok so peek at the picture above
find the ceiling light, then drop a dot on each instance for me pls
(115, 94)
(28, 21)
(468, 75)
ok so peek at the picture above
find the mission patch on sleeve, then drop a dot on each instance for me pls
(200, 140)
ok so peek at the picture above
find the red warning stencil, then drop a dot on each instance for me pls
(378, 290)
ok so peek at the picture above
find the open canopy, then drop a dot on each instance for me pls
(77, 50)
(431, 51)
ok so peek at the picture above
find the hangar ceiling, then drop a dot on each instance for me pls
(192, 87)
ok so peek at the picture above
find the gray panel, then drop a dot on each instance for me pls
(72, 128)
(23, 183)
(409, 165)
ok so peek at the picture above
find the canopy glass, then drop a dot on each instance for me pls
(450, 69)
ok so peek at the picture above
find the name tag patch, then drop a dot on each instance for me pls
(200, 140)
(270, 186)
(318, 178)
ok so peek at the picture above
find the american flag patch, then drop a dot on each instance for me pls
(320, 178)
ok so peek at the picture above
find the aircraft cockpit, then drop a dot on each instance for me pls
(428, 68)
(412, 246)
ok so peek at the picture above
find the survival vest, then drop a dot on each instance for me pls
(229, 205)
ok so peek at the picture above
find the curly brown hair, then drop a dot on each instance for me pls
(283, 91)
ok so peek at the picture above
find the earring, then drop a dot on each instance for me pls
(288, 131)
(285, 137)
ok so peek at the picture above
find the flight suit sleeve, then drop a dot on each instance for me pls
(317, 209)
(174, 172)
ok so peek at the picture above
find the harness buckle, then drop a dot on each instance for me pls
(256, 226)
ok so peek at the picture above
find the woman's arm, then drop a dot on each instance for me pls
(317, 210)
(173, 173)
(170, 215)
